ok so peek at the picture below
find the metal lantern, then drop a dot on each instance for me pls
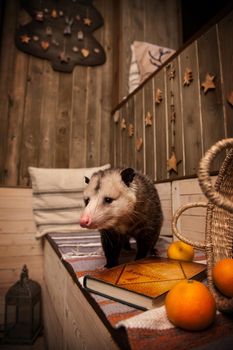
(23, 311)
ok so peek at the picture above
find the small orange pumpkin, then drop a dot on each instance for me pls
(190, 305)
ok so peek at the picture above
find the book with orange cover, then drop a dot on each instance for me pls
(143, 283)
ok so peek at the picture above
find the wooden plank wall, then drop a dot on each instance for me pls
(191, 223)
(52, 119)
(201, 118)
(18, 245)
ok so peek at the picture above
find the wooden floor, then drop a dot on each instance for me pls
(38, 345)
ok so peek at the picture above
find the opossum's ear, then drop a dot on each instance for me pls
(127, 176)
(87, 180)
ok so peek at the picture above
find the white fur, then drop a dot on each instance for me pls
(115, 214)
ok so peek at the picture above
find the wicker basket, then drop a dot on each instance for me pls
(219, 215)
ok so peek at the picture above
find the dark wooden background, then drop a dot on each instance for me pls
(201, 118)
(51, 119)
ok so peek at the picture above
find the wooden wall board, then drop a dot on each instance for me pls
(211, 101)
(78, 119)
(124, 136)
(131, 120)
(113, 141)
(139, 131)
(119, 140)
(63, 121)
(158, 12)
(6, 74)
(116, 48)
(94, 133)
(160, 127)
(192, 222)
(93, 115)
(47, 131)
(165, 195)
(190, 110)
(132, 21)
(173, 98)
(148, 96)
(31, 122)
(224, 29)
(16, 121)
(107, 10)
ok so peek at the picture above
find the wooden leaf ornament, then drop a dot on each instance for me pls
(230, 98)
(123, 124)
(139, 143)
(85, 52)
(158, 96)
(45, 45)
(130, 130)
(188, 77)
(87, 21)
(148, 119)
(172, 163)
(208, 84)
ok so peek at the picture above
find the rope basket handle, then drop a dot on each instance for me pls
(176, 216)
(204, 177)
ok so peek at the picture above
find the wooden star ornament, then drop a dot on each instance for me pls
(64, 58)
(188, 77)
(25, 39)
(208, 84)
(172, 163)
(87, 21)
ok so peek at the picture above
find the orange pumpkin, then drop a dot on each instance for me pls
(223, 276)
(190, 305)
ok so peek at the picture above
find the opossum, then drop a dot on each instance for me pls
(122, 203)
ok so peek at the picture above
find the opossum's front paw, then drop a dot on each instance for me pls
(154, 251)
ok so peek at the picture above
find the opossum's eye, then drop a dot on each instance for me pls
(86, 201)
(108, 200)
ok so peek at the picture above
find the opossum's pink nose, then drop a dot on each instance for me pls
(85, 221)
